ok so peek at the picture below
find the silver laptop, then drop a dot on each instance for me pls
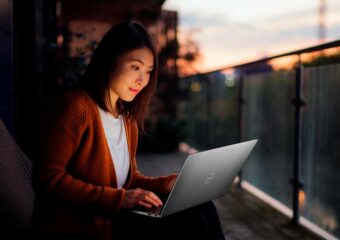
(204, 176)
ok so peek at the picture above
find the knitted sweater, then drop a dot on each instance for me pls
(74, 177)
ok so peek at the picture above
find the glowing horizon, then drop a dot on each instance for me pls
(247, 30)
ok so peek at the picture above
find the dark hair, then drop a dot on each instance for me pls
(119, 40)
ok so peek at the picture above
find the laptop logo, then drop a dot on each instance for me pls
(210, 178)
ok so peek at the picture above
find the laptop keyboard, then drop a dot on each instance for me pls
(154, 210)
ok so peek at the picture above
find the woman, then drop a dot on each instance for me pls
(86, 175)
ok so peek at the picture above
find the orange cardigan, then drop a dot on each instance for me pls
(74, 177)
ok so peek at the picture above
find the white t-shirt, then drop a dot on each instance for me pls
(114, 129)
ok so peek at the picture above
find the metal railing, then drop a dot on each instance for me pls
(221, 109)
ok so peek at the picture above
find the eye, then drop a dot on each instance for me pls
(134, 67)
(149, 72)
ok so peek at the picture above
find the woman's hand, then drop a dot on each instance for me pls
(171, 183)
(140, 197)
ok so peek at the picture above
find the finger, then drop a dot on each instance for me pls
(144, 204)
(152, 198)
(152, 201)
(155, 198)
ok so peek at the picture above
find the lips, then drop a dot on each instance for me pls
(134, 90)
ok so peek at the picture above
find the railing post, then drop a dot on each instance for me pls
(298, 102)
(209, 111)
(240, 117)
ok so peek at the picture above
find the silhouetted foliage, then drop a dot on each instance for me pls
(323, 59)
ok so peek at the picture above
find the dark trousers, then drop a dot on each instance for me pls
(199, 222)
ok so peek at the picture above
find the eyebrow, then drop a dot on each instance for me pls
(138, 60)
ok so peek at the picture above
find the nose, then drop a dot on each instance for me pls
(141, 79)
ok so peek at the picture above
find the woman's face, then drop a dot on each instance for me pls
(131, 75)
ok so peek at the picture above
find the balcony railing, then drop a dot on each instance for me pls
(290, 103)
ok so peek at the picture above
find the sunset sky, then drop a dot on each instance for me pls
(231, 32)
